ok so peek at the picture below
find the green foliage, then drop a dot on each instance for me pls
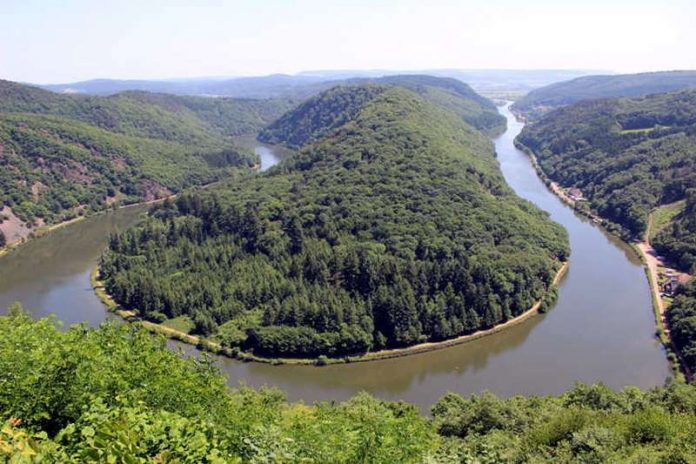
(589, 424)
(116, 394)
(623, 173)
(3, 239)
(392, 226)
(317, 117)
(681, 315)
(677, 241)
(664, 215)
(454, 95)
(54, 166)
(227, 116)
(187, 120)
(64, 154)
(539, 101)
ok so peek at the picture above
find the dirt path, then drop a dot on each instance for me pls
(652, 263)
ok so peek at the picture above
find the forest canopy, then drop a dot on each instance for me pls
(627, 156)
(392, 226)
(452, 94)
(677, 241)
(681, 315)
(117, 394)
(62, 155)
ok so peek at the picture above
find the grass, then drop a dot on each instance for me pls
(182, 324)
(638, 131)
(643, 130)
(662, 216)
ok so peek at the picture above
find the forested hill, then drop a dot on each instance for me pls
(63, 155)
(392, 226)
(142, 114)
(454, 95)
(539, 101)
(627, 156)
(445, 92)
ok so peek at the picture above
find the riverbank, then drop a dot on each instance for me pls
(642, 251)
(38, 233)
(653, 262)
(216, 348)
(45, 230)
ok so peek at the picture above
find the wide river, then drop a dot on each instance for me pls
(601, 329)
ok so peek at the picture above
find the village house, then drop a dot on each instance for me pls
(575, 194)
(673, 282)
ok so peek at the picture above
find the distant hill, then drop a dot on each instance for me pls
(306, 84)
(540, 101)
(284, 89)
(454, 95)
(64, 155)
(391, 226)
(186, 119)
(273, 86)
(446, 92)
(627, 156)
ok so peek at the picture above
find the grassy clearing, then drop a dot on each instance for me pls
(182, 324)
(662, 216)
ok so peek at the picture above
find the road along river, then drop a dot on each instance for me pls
(601, 329)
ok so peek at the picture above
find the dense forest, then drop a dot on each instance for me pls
(117, 394)
(539, 101)
(392, 226)
(681, 315)
(627, 156)
(64, 155)
(448, 93)
(677, 241)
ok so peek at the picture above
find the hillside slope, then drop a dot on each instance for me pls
(64, 155)
(115, 394)
(392, 226)
(448, 93)
(153, 115)
(627, 156)
(539, 101)
(677, 241)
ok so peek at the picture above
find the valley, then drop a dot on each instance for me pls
(616, 345)
(352, 155)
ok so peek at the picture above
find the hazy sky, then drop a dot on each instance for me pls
(51, 41)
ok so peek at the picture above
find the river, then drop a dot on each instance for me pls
(601, 329)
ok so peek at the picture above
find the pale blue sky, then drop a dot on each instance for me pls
(53, 41)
